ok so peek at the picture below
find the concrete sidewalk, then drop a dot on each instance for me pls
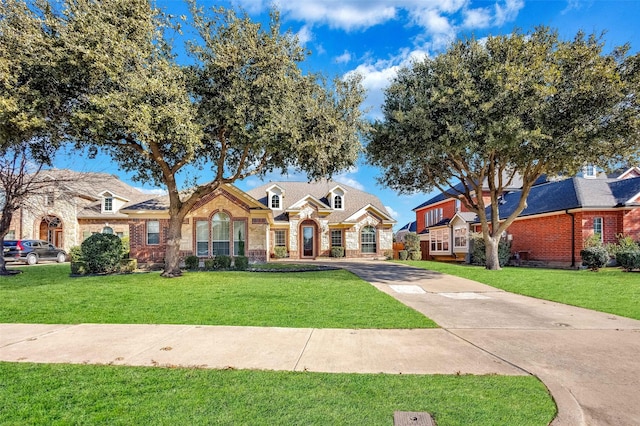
(429, 351)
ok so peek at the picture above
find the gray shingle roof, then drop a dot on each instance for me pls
(571, 194)
(354, 199)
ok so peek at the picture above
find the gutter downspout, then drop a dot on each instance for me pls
(573, 238)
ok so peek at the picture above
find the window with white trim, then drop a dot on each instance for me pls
(368, 239)
(275, 201)
(432, 217)
(439, 239)
(202, 238)
(458, 205)
(107, 230)
(337, 202)
(590, 171)
(153, 232)
(597, 227)
(220, 233)
(108, 204)
(336, 238)
(460, 237)
(280, 238)
(239, 238)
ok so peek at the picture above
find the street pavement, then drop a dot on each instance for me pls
(588, 360)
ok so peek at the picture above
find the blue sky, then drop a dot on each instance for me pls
(377, 37)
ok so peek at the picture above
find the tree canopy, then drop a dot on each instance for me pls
(243, 108)
(514, 107)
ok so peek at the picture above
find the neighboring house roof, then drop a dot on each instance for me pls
(354, 199)
(572, 194)
(409, 227)
(92, 187)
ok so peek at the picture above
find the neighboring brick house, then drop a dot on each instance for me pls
(559, 217)
(74, 206)
(311, 218)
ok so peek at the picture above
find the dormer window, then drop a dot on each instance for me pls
(336, 198)
(590, 172)
(275, 201)
(275, 197)
(337, 202)
(108, 202)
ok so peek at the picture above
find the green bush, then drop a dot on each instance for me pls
(412, 242)
(126, 247)
(479, 256)
(415, 255)
(403, 254)
(624, 244)
(209, 264)
(280, 252)
(388, 254)
(128, 266)
(102, 253)
(241, 263)
(594, 257)
(337, 251)
(78, 267)
(192, 263)
(75, 254)
(221, 262)
(628, 259)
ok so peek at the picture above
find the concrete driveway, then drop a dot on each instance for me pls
(589, 361)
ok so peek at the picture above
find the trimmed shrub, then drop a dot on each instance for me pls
(415, 255)
(479, 256)
(75, 254)
(128, 266)
(337, 251)
(241, 263)
(209, 264)
(280, 252)
(403, 254)
(388, 254)
(102, 253)
(78, 267)
(594, 257)
(221, 262)
(628, 259)
(192, 263)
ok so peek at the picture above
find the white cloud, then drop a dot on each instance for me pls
(347, 14)
(394, 214)
(344, 58)
(152, 191)
(477, 18)
(378, 75)
(508, 12)
(304, 35)
(347, 179)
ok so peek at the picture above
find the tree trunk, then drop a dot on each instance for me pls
(491, 245)
(172, 252)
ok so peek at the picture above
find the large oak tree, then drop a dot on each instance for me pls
(243, 107)
(517, 106)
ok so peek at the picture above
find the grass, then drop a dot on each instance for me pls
(327, 299)
(610, 290)
(47, 394)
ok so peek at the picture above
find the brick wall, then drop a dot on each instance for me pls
(544, 238)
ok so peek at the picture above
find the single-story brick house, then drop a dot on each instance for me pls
(306, 218)
(559, 217)
(311, 218)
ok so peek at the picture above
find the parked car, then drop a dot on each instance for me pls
(32, 251)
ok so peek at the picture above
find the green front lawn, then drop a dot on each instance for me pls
(610, 290)
(42, 394)
(326, 299)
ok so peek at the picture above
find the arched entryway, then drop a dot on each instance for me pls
(308, 239)
(51, 230)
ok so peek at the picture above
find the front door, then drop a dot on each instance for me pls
(307, 241)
